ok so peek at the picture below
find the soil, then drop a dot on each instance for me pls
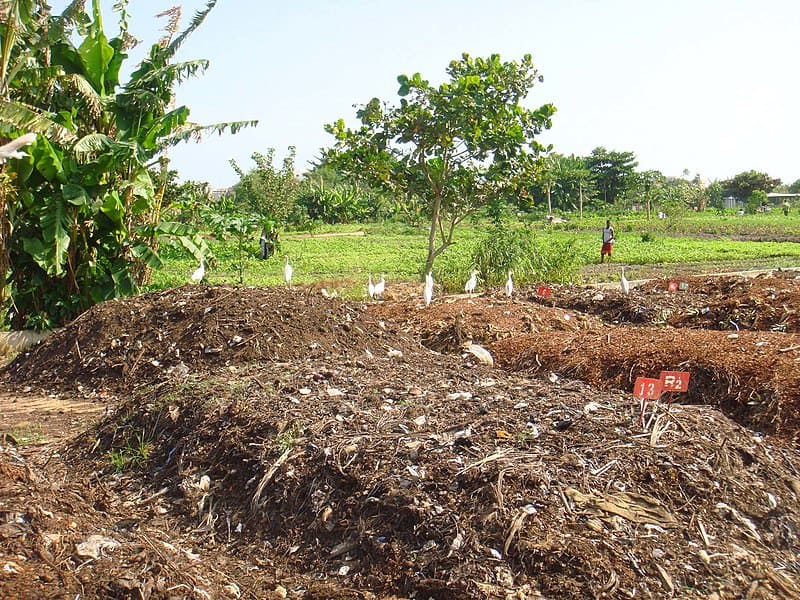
(224, 442)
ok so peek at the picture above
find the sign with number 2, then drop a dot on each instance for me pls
(674, 381)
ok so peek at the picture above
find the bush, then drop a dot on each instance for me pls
(530, 256)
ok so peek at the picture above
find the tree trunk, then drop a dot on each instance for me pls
(5, 242)
(437, 206)
(647, 202)
(549, 203)
(580, 200)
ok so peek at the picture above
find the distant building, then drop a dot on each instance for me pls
(776, 198)
(732, 202)
(220, 193)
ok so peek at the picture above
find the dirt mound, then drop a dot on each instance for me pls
(433, 479)
(131, 342)
(754, 377)
(764, 303)
(450, 322)
(276, 443)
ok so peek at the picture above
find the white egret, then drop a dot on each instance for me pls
(287, 270)
(624, 285)
(12, 148)
(509, 284)
(380, 287)
(427, 293)
(199, 272)
(370, 287)
(472, 283)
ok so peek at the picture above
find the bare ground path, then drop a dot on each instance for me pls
(37, 418)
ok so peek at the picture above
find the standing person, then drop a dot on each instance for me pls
(608, 241)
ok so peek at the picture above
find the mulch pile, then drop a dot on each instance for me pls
(132, 342)
(319, 450)
(764, 303)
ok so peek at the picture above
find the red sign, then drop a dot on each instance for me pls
(674, 381)
(544, 291)
(673, 286)
(647, 389)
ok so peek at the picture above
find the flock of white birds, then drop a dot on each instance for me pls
(376, 290)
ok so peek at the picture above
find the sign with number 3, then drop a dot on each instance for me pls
(647, 389)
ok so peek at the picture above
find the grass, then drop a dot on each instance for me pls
(399, 250)
(134, 455)
(28, 434)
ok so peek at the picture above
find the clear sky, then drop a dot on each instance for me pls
(710, 86)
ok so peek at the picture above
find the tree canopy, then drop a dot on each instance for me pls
(458, 146)
(613, 173)
(742, 185)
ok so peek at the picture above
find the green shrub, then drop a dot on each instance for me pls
(531, 256)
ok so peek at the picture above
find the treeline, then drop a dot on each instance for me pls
(603, 180)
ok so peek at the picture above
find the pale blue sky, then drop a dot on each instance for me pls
(705, 85)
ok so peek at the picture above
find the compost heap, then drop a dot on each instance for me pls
(274, 443)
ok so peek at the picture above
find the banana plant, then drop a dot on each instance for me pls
(88, 221)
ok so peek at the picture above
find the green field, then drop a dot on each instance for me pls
(689, 243)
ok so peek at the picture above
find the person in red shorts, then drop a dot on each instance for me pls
(608, 241)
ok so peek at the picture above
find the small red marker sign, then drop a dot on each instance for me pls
(647, 388)
(674, 381)
(673, 286)
(544, 291)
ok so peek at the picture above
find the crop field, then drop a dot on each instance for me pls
(689, 243)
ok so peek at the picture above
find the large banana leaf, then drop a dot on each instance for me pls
(19, 117)
(56, 224)
(192, 131)
(96, 53)
(164, 126)
(147, 255)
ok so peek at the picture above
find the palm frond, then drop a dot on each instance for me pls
(176, 72)
(194, 132)
(198, 19)
(19, 117)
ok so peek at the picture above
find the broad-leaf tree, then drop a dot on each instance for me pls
(742, 185)
(458, 146)
(613, 173)
(266, 190)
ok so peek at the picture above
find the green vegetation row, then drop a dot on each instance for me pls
(343, 262)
